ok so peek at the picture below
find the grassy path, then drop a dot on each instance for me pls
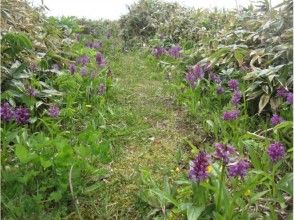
(148, 134)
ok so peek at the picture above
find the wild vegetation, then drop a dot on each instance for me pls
(168, 113)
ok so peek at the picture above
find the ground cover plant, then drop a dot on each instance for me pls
(168, 113)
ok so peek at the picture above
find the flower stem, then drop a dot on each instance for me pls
(220, 188)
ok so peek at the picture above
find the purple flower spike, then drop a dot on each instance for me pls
(21, 115)
(282, 92)
(220, 90)
(84, 71)
(239, 168)
(100, 60)
(233, 84)
(276, 151)
(175, 51)
(31, 91)
(158, 51)
(6, 112)
(191, 79)
(223, 152)
(290, 98)
(199, 167)
(236, 97)
(198, 71)
(276, 119)
(72, 68)
(83, 60)
(215, 78)
(53, 111)
(231, 115)
(102, 89)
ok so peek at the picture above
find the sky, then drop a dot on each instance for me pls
(113, 9)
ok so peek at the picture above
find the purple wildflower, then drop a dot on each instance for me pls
(53, 111)
(158, 51)
(175, 51)
(55, 67)
(100, 60)
(231, 115)
(191, 79)
(220, 90)
(6, 112)
(239, 168)
(233, 84)
(97, 45)
(31, 91)
(84, 60)
(290, 98)
(276, 151)
(236, 97)
(199, 167)
(102, 89)
(83, 71)
(282, 92)
(89, 44)
(223, 152)
(215, 78)
(21, 115)
(72, 68)
(276, 119)
(198, 71)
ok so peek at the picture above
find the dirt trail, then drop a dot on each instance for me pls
(152, 135)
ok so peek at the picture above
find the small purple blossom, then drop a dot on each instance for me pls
(290, 98)
(231, 115)
(158, 51)
(236, 97)
(276, 151)
(198, 71)
(220, 90)
(175, 51)
(21, 115)
(83, 71)
(72, 68)
(53, 111)
(199, 167)
(83, 60)
(239, 168)
(215, 78)
(101, 89)
(191, 79)
(223, 152)
(6, 112)
(282, 92)
(89, 44)
(31, 91)
(233, 84)
(276, 119)
(55, 67)
(100, 60)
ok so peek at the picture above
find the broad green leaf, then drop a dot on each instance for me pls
(264, 99)
(193, 212)
(22, 153)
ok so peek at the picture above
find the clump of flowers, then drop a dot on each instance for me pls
(239, 168)
(175, 51)
(84, 71)
(72, 68)
(102, 89)
(53, 111)
(231, 115)
(290, 98)
(194, 74)
(276, 119)
(233, 84)
(276, 151)
(223, 152)
(6, 112)
(215, 78)
(282, 92)
(21, 115)
(31, 91)
(83, 60)
(236, 97)
(158, 51)
(100, 60)
(220, 90)
(199, 167)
